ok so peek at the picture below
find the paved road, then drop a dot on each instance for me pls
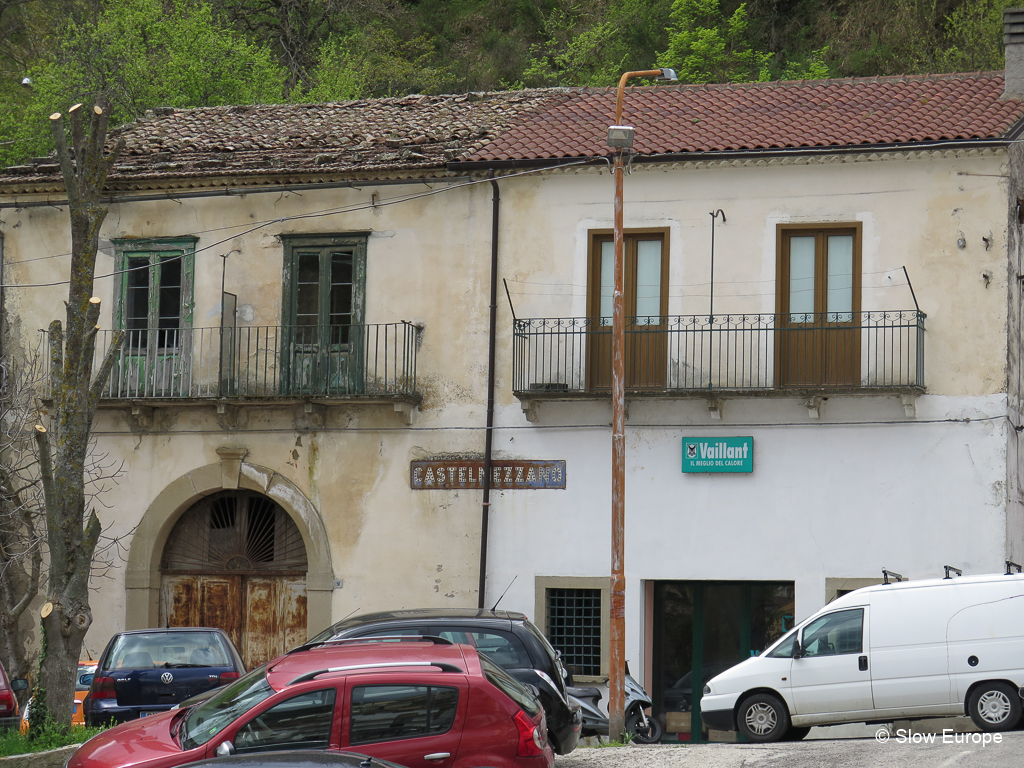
(840, 753)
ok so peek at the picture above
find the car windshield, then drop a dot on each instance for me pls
(512, 688)
(144, 650)
(85, 675)
(206, 720)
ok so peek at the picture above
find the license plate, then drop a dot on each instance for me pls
(148, 712)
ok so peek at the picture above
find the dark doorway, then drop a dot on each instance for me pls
(701, 628)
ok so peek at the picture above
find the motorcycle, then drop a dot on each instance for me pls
(645, 728)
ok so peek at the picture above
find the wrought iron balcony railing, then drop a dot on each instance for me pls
(737, 353)
(342, 361)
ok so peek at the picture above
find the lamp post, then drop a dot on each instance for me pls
(620, 137)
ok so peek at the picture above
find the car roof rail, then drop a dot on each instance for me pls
(442, 665)
(369, 638)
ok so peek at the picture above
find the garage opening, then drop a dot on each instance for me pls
(236, 560)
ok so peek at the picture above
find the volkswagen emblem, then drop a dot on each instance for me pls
(166, 678)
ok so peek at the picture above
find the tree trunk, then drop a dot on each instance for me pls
(72, 533)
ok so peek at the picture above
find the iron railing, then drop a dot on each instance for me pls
(343, 361)
(700, 353)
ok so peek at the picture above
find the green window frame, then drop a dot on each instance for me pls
(159, 271)
(323, 310)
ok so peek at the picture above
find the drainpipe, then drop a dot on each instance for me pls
(491, 343)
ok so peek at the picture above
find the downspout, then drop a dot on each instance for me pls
(491, 343)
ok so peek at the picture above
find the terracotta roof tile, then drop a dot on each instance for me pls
(427, 133)
(372, 135)
(820, 113)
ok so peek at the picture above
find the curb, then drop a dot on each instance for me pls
(52, 758)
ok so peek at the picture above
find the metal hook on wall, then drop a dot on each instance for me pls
(711, 302)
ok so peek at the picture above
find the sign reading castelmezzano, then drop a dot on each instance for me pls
(718, 454)
(505, 475)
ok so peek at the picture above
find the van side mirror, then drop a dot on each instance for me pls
(798, 650)
(225, 749)
(19, 684)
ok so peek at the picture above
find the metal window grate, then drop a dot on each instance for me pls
(574, 628)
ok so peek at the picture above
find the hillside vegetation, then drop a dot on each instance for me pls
(184, 53)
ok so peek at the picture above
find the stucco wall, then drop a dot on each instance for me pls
(865, 486)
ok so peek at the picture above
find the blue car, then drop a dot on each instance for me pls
(148, 671)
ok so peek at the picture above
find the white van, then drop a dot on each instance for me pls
(901, 651)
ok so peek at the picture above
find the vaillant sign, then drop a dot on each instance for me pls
(718, 454)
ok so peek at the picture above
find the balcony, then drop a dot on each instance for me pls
(263, 363)
(700, 355)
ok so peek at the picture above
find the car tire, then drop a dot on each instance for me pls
(994, 707)
(649, 735)
(763, 718)
(796, 734)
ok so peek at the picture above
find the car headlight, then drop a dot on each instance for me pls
(707, 690)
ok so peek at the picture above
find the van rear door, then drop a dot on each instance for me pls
(831, 673)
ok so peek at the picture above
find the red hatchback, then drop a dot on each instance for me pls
(424, 703)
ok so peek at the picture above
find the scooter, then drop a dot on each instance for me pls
(645, 729)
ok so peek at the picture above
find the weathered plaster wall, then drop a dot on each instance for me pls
(865, 487)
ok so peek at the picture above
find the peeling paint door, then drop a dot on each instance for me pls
(264, 616)
(236, 561)
(275, 617)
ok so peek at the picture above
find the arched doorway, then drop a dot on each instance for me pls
(236, 560)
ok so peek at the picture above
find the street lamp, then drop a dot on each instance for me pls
(620, 137)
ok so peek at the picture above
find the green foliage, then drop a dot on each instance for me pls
(373, 62)
(577, 52)
(13, 742)
(973, 36)
(142, 55)
(707, 46)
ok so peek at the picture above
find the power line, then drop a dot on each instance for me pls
(296, 217)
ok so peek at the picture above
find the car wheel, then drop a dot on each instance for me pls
(762, 718)
(641, 735)
(795, 734)
(994, 707)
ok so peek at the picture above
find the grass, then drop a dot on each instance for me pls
(13, 742)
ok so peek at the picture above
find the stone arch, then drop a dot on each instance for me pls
(142, 576)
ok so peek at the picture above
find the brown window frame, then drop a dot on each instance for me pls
(823, 352)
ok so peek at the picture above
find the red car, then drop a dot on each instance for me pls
(420, 702)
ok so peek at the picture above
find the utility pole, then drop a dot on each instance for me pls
(620, 137)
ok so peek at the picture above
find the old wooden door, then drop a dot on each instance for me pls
(236, 561)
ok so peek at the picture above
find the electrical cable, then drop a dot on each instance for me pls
(296, 217)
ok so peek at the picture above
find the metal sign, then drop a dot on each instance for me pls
(718, 454)
(505, 475)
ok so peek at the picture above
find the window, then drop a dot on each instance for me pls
(818, 305)
(835, 633)
(390, 712)
(323, 313)
(301, 722)
(155, 297)
(502, 648)
(645, 295)
(574, 612)
(154, 307)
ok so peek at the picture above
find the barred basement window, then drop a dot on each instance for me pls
(574, 628)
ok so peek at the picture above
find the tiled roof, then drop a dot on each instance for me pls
(424, 134)
(814, 113)
(321, 140)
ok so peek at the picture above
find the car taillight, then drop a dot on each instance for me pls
(226, 677)
(531, 740)
(103, 688)
(6, 701)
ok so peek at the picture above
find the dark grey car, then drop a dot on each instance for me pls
(508, 639)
